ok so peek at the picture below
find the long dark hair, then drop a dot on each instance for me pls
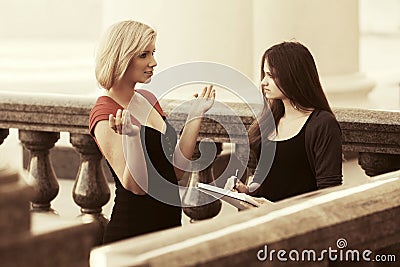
(295, 74)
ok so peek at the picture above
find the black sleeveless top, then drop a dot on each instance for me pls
(291, 173)
(133, 214)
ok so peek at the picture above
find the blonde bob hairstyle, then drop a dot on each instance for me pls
(122, 42)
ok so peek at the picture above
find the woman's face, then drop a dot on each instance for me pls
(268, 87)
(141, 67)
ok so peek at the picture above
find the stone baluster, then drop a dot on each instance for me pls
(90, 191)
(246, 158)
(40, 170)
(3, 134)
(377, 163)
(193, 200)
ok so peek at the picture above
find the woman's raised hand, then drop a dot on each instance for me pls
(122, 124)
(203, 102)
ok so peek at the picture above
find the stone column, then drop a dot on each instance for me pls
(40, 170)
(330, 29)
(90, 191)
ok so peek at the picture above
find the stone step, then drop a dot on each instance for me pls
(52, 241)
(14, 205)
(8, 175)
(363, 216)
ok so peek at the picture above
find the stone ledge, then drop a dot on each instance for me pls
(52, 242)
(14, 209)
(320, 219)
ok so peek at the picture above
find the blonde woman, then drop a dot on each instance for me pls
(132, 131)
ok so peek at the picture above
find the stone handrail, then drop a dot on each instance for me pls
(40, 118)
(44, 112)
(339, 226)
(375, 134)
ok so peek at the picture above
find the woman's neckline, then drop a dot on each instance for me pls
(296, 134)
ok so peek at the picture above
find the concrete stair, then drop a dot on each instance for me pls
(38, 239)
(14, 206)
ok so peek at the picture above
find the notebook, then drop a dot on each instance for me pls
(239, 200)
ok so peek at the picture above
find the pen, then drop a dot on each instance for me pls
(236, 179)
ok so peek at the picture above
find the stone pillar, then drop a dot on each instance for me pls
(90, 191)
(330, 29)
(3, 135)
(207, 30)
(40, 170)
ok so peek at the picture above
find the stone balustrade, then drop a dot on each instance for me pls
(375, 134)
(40, 119)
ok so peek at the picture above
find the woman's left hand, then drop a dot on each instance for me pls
(241, 187)
(203, 102)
